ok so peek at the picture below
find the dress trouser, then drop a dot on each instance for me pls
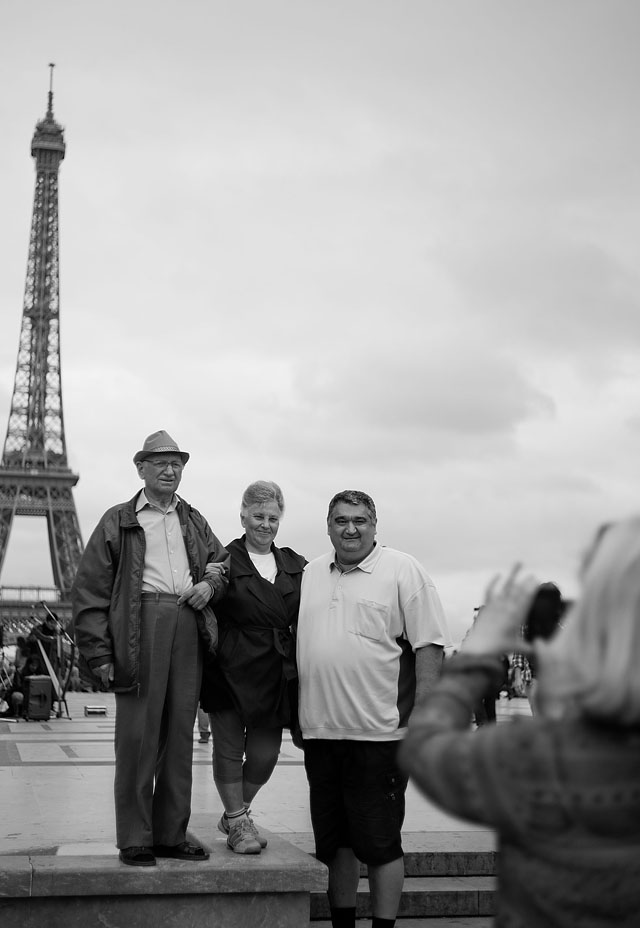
(154, 728)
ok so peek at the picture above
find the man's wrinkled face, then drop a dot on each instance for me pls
(161, 473)
(352, 531)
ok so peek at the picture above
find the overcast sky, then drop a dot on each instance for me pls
(390, 245)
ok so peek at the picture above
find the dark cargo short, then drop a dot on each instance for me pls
(356, 798)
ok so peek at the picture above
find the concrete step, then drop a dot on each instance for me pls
(428, 923)
(449, 854)
(83, 889)
(448, 881)
(426, 897)
(467, 853)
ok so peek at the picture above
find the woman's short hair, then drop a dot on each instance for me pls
(353, 498)
(262, 491)
(592, 662)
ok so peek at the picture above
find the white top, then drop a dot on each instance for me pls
(265, 564)
(357, 634)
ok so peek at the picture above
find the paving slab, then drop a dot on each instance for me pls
(56, 788)
(57, 844)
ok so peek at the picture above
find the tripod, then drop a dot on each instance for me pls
(61, 673)
(5, 679)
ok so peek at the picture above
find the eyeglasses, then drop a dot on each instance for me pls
(162, 465)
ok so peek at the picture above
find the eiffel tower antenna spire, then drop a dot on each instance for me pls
(50, 106)
(35, 479)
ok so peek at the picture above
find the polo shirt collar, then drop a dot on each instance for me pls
(365, 565)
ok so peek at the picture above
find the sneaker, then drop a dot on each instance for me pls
(241, 839)
(223, 826)
(262, 841)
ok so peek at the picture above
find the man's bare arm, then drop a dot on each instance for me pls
(428, 668)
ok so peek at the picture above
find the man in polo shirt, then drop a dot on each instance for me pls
(141, 601)
(371, 633)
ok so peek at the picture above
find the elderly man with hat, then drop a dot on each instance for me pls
(142, 615)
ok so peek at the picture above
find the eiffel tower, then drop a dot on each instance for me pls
(35, 479)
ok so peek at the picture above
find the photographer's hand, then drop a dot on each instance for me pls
(498, 624)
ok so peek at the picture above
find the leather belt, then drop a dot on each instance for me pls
(159, 597)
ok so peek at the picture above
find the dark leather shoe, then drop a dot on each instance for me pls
(184, 851)
(137, 856)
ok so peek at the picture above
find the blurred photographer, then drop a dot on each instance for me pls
(561, 788)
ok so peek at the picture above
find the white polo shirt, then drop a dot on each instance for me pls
(357, 634)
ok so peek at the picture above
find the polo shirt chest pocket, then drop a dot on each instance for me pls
(369, 620)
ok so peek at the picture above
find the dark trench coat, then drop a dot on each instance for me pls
(254, 670)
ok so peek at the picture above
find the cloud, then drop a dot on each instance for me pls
(374, 245)
(408, 404)
(554, 296)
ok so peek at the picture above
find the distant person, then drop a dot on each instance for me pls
(141, 597)
(561, 788)
(204, 726)
(75, 683)
(48, 627)
(23, 652)
(371, 635)
(45, 633)
(32, 668)
(519, 675)
(250, 688)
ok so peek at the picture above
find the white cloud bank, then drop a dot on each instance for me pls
(367, 244)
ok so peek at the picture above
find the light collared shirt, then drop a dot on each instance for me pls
(357, 630)
(166, 567)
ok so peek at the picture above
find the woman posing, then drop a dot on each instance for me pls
(250, 688)
(561, 788)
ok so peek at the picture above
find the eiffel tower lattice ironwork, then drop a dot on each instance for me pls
(35, 479)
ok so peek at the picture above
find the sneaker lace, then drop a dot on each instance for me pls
(252, 825)
(241, 828)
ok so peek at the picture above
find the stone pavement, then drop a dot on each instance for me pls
(56, 789)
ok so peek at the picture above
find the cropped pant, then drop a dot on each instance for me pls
(241, 753)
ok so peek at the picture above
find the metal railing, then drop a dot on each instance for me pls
(30, 594)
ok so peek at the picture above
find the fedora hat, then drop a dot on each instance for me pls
(159, 443)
